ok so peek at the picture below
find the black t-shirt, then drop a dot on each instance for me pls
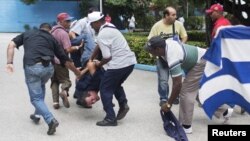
(37, 44)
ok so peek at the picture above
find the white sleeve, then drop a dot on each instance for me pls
(105, 45)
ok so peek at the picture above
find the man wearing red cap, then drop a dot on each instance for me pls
(61, 75)
(216, 14)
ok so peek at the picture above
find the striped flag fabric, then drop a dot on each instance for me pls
(226, 78)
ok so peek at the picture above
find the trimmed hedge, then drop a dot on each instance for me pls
(196, 35)
(137, 42)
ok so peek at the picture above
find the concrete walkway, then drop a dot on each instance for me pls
(143, 122)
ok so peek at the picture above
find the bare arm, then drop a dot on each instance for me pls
(177, 83)
(95, 53)
(10, 56)
(74, 48)
(102, 62)
(184, 40)
(72, 35)
(70, 65)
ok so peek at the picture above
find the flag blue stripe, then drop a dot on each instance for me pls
(224, 97)
(238, 70)
(238, 32)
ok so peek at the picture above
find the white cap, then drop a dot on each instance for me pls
(95, 16)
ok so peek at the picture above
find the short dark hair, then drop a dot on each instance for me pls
(45, 26)
(165, 12)
(84, 103)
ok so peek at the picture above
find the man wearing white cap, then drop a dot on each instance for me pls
(118, 61)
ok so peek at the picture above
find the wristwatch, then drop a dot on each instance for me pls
(168, 105)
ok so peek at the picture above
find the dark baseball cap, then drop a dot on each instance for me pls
(155, 41)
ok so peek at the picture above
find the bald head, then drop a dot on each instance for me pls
(169, 15)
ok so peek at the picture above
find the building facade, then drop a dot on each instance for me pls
(15, 16)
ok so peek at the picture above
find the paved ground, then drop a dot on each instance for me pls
(143, 122)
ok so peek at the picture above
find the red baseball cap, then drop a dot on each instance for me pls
(64, 17)
(215, 7)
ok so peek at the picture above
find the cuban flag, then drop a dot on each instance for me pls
(226, 78)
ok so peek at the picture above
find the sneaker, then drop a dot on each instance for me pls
(35, 118)
(163, 101)
(107, 122)
(122, 112)
(52, 127)
(227, 114)
(188, 130)
(65, 100)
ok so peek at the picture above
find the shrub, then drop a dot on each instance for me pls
(198, 43)
(137, 42)
(194, 22)
(26, 27)
(196, 35)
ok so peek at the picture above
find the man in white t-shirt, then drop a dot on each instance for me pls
(118, 61)
(82, 30)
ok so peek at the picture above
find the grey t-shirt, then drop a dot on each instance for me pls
(113, 44)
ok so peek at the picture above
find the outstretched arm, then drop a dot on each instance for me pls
(10, 56)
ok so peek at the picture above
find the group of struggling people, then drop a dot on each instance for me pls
(46, 56)
(106, 62)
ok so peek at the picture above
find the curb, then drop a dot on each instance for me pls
(145, 67)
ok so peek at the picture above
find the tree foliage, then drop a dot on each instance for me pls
(28, 2)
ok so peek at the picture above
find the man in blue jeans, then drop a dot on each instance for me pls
(167, 27)
(39, 50)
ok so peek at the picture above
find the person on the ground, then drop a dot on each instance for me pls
(87, 87)
(61, 74)
(167, 27)
(39, 50)
(118, 61)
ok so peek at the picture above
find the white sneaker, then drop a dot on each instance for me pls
(188, 130)
(228, 115)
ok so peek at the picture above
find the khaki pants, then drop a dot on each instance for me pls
(189, 92)
(61, 76)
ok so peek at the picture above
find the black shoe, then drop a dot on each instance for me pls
(107, 122)
(52, 127)
(176, 101)
(163, 101)
(34, 118)
(122, 112)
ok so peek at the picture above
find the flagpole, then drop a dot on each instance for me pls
(101, 6)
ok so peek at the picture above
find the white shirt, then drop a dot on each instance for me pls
(82, 26)
(113, 44)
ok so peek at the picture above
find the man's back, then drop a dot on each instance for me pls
(112, 43)
(36, 43)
